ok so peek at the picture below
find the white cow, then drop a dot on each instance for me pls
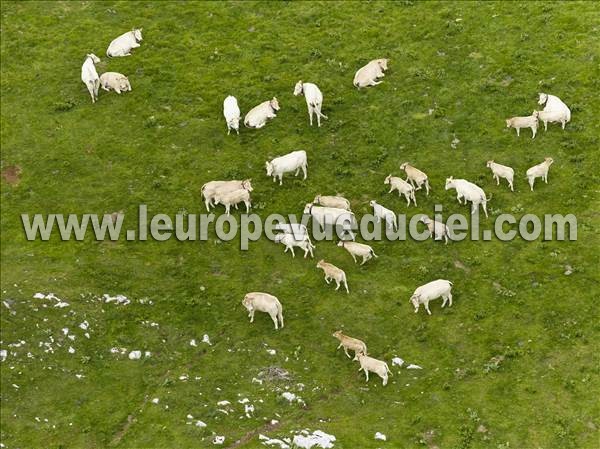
(416, 177)
(230, 198)
(403, 188)
(258, 115)
(332, 216)
(115, 81)
(338, 202)
(430, 291)
(314, 99)
(368, 75)
(437, 229)
(298, 230)
(530, 121)
(231, 112)
(378, 367)
(122, 45)
(89, 75)
(289, 241)
(335, 273)
(263, 302)
(469, 192)
(558, 109)
(539, 171)
(210, 189)
(293, 161)
(358, 249)
(502, 171)
(383, 213)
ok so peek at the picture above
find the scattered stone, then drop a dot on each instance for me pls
(568, 270)
(135, 355)
(219, 439)
(380, 436)
(274, 373)
(397, 361)
(318, 439)
(411, 366)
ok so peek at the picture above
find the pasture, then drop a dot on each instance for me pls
(512, 364)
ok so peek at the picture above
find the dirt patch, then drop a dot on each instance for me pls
(274, 373)
(461, 266)
(12, 175)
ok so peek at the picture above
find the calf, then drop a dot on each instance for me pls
(383, 213)
(122, 45)
(430, 291)
(354, 344)
(530, 121)
(358, 249)
(89, 75)
(263, 302)
(502, 171)
(438, 230)
(469, 192)
(115, 81)
(290, 241)
(231, 112)
(338, 202)
(378, 367)
(293, 161)
(333, 272)
(314, 100)
(210, 189)
(233, 197)
(368, 75)
(539, 171)
(403, 188)
(258, 115)
(415, 176)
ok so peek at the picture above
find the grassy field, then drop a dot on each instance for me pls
(513, 364)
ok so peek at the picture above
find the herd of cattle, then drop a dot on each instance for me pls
(331, 210)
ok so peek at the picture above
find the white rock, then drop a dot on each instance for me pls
(380, 436)
(397, 361)
(193, 343)
(3, 355)
(200, 424)
(71, 350)
(135, 355)
(206, 340)
(316, 439)
(272, 351)
(411, 366)
(219, 439)
(155, 400)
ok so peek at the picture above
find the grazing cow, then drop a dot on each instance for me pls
(332, 216)
(470, 192)
(416, 177)
(378, 367)
(115, 81)
(122, 45)
(368, 75)
(210, 189)
(539, 171)
(231, 112)
(531, 121)
(502, 171)
(430, 291)
(346, 342)
(338, 202)
(258, 115)
(383, 213)
(289, 241)
(314, 100)
(358, 249)
(555, 110)
(263, 302)
(403, 188)
(437, 229)
(335, 273)
(89, 75)
(293, 161)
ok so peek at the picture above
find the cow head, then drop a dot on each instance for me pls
(298, 89)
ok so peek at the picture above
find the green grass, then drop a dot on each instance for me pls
(158, 144)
